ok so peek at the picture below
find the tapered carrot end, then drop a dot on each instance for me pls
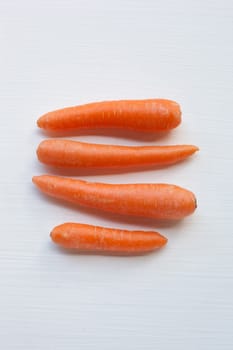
(56, 235)
(192, 149)
(40, 122)
(40, 181)
(61, 235)
(185, 151)
(43, 122)
(195, 149)
(156, 241)
(34, 179)
(48, 121)
(163, 240)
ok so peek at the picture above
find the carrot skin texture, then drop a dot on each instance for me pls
(73, 154)
(159, 201)
(94, 238)
(148, 115)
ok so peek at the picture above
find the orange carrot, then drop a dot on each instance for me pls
(159, 201)
(73, 154)
(94, 238)
(142, 115)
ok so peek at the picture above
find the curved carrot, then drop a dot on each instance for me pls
(73, 154)
(159, 201)
(94, 238)
(142, 115)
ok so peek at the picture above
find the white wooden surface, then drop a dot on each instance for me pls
(61, 53)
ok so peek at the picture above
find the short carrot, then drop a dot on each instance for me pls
(101, 239)
(159, 201)
(149, 115)
(73, 154)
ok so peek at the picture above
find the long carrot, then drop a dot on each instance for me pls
(142, 115)
(94, 238)
(73, 154)
(160, 201)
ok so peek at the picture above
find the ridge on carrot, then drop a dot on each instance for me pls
(73, 154)
(150, 115)
(101, 239)
(158, 201)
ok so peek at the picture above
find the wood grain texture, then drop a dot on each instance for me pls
(61, 53)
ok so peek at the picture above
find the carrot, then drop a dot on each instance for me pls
(159, 201)
(142, 115)
(94, 238)
(73, 154)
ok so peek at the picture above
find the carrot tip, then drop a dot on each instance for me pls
(51, 235)
(194, 149)
(165, 240)
(34, 179)
(39, 123)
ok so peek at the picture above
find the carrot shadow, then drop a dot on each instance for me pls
(109, 171)
(113, 132)
(104, 253)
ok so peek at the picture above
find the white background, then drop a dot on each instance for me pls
(61, 53)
